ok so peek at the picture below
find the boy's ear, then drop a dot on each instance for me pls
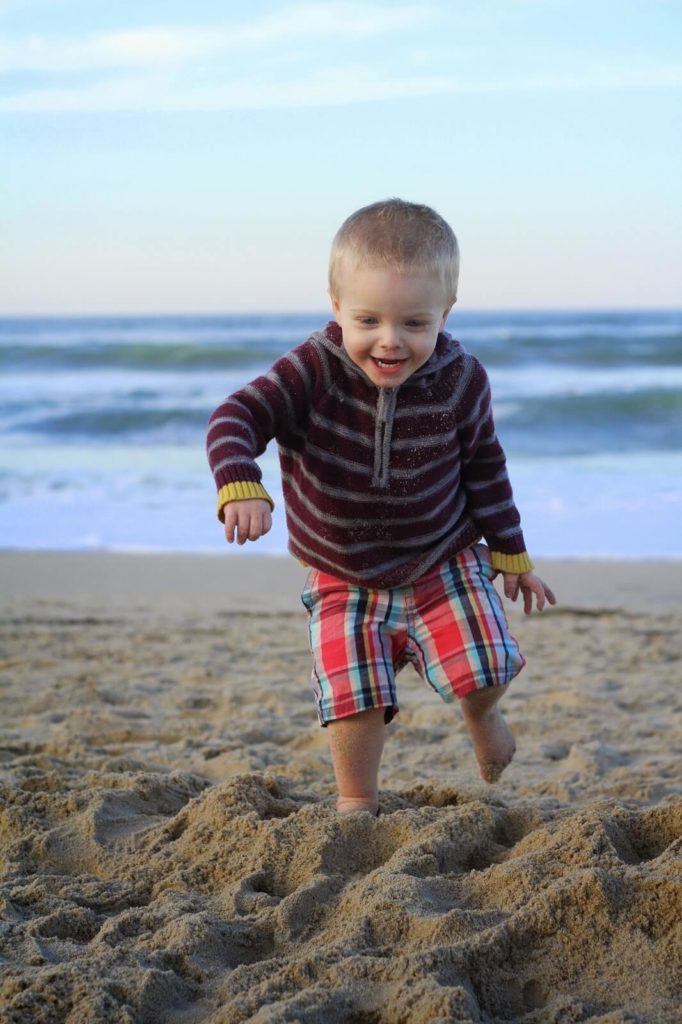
(335, 302)
(446, 314)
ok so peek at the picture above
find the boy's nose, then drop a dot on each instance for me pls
(390, 338)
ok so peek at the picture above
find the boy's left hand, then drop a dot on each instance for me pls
(528, 584)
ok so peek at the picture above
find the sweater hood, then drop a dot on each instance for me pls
(447, 350)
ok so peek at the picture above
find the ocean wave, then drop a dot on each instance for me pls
(137, 356)
(156, 357)
(585, 351)
(561, 424)
(578, 424)
(214, 343)
(113, 422)
(207, 329)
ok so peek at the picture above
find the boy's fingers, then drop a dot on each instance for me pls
(256, 527)
(230, 522)
(245, 522)
(511, 587)
(539, 598)
(545, 595)
(244, 525)
(260, 525)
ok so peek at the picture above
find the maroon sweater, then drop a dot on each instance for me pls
(380, 484)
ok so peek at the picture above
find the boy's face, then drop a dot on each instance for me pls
(390, 319)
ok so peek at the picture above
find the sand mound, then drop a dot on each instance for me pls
(169, 850)
(137, 895)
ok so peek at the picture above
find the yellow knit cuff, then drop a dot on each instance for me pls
(511, 563)
(240, 492)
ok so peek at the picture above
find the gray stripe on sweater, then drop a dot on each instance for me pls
(338, 428)
(235, 460)
(402, 411)
(275, 379)
(430, 558)
(398, 474)
(510, 531)
(249, 389)
(425, 538)
(228, 440)
(491, 510)
(478, 485)
(369, 498)
(497, 458)
(327, 371)
(304, 374)
(400, 444)
(308, 383)
(241, 441)
(353, 522)
(475, 412)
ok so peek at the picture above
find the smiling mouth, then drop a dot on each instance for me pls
(388, 363)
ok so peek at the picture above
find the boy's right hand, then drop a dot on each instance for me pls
(248, 519)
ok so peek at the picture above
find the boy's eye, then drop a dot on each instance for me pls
(370, 321)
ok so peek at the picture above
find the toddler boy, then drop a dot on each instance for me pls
(392, 473)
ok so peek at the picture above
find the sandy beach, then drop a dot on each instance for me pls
(169, 848)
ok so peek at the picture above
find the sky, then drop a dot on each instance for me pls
(198, 158)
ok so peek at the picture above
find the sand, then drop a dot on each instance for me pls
(170, 852)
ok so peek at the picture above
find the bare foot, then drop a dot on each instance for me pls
(493, 740)
(352, 804)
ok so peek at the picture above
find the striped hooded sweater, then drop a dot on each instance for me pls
(379, 484)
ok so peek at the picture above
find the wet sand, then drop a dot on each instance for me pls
(169, 848)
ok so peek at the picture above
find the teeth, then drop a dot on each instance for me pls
(382, 362)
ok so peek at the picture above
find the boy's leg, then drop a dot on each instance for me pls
(464, 649)
(356, 744)
(493, 740)
(356, 638)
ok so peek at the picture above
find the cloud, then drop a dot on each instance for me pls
(290, 58)
(157, 46)
(328, 87)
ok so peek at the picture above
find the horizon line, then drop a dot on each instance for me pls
(316, 312)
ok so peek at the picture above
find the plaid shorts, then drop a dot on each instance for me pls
(450, 624)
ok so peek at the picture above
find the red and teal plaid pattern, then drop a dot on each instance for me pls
(450, 625)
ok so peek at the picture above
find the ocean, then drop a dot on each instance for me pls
(103, 420)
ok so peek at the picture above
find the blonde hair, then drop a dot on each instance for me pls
(400, 235)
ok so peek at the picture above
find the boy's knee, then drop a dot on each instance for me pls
(485, 697)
